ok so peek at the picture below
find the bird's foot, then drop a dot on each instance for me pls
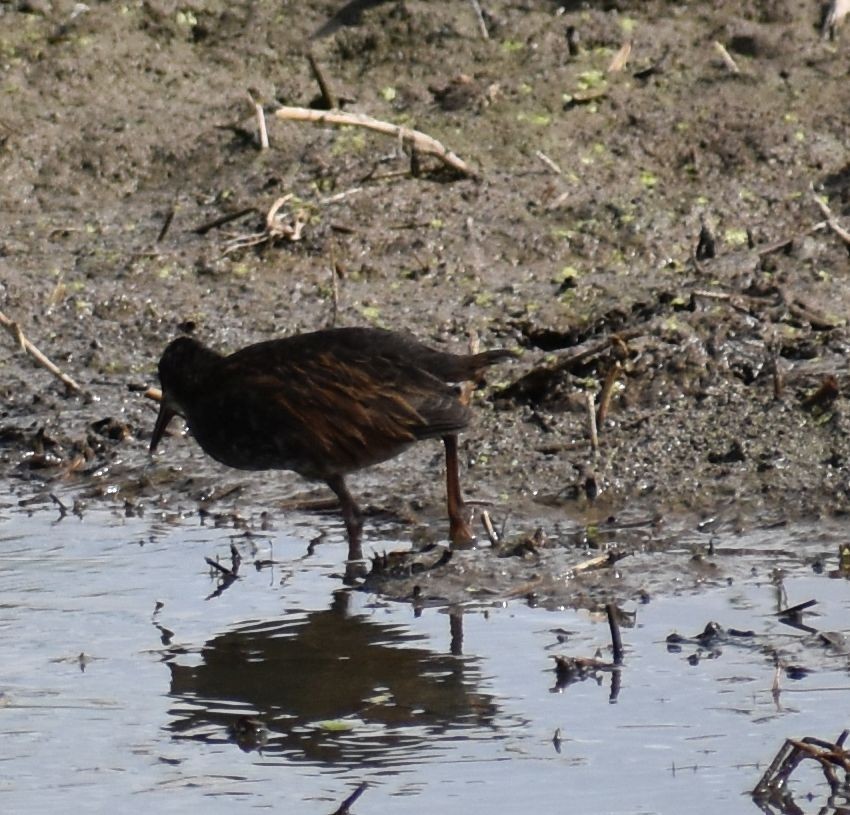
(461, 535)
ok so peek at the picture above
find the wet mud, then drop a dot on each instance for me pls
(645, 235)
(654, 225)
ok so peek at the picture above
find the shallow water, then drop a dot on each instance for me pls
(128, 686)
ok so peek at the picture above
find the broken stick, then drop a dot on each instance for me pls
(831, 220)
(415, 139)
(18, 336)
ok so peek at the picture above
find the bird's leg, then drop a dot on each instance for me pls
(460, 532)
(351, 514)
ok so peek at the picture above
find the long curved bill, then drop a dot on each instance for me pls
(166, 414)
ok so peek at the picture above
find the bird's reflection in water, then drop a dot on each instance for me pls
(328, 686)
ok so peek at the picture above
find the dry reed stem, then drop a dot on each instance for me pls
(414, 138)
(487, 523)
(831, 220)
(18, 336)
(479, 18)
(727, 58)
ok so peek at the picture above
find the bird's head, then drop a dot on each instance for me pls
(183, 369)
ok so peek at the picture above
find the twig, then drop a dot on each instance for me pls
(489, 528)
(831, 221)
(614, 625)
(791, 754)
(726, 57)
(275, 228)
(214, 564)
(785, 244)
(598, 562)
(18, 336)
(776, 687)
(796, 610)
(328, 96)
(261, 123)
(621, 58)
(235, 558)
(223, 219)
(548, 162)
(607, 392)
(345, 806)
(333, 199)
(414, 138)
(555, 203)
(63, 510)
(591, 421)
(456, 631)
(775, 370)
(479, 16)
(166, 224)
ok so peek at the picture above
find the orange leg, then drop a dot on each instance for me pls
(352, 516)
(460, 532)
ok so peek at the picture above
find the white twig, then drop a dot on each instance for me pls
(831, 220)
(276, 227)
(489, 528)
(479, 16)
(261, 124)
(726, 57)
(333, 199)
(413, 138)
(548, 162)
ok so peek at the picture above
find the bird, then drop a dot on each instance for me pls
(324, 404)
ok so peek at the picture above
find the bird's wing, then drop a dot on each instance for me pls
(328, 416)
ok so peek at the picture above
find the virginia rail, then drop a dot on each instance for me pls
(323, 404)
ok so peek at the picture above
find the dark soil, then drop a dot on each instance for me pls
(660, 218)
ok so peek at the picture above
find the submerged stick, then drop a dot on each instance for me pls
(18, 336)
(345, 806)
(456, 631)
(598, 562)
(614, 625)
(414, 138)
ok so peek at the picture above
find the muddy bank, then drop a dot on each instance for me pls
(580, 244)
